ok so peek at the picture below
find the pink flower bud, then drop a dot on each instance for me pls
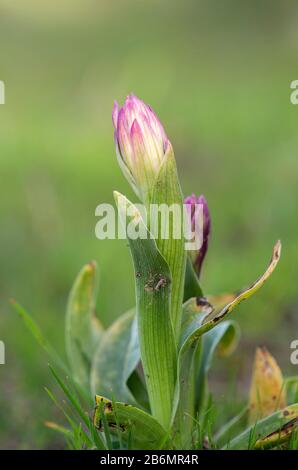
(141, 143)
(198, 257)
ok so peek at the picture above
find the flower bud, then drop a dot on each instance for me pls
(141, 143)
(197, 257)
(266, 391)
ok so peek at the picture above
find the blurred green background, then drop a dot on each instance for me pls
(218, 74)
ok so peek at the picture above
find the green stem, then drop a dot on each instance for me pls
(167, 192)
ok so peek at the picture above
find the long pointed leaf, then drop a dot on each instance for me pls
(218, 315)
(116, 358)
(199, 318)
(156, 336)
(192, 286)
(269, 432)
(143, 429)
(82, 329)
(224, 337)
(194, 361)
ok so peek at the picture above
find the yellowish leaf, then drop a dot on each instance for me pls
(266, 392)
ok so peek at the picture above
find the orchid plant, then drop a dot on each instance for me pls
(149, 370)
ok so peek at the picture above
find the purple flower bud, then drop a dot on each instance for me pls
(198, 257)
(141, 143)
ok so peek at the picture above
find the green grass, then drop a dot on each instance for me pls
(218, 76)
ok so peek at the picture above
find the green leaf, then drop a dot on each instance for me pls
(215, 309)
(183, 415)
(144, 431)
(270, 432)
(229, 429)
(116, 358)
(136, 383)
(291, 389)
(82, 329)
(184, 418)
(192, 286)
(156, 336)
(219, 313)
(201, 316)
(223, 338)
(194, 360)
(167, 192)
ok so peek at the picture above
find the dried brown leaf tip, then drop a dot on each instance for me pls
(204, 305)
(266, 392)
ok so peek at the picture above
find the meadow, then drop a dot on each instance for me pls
(218, 74)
